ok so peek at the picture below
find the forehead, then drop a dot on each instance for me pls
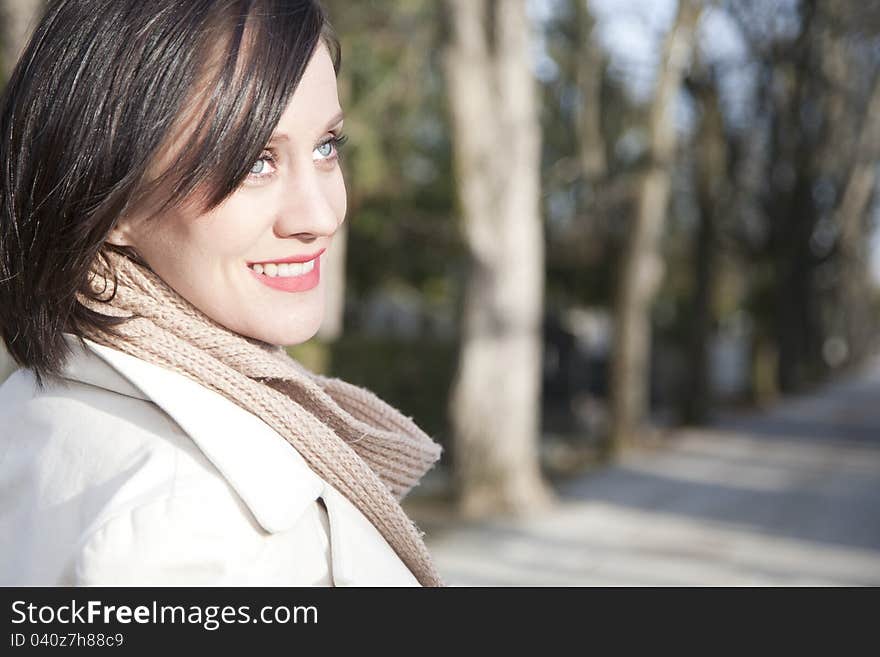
(315, 99)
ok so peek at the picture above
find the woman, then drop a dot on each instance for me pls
(170, 186)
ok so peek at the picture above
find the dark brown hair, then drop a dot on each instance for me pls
(99, 90)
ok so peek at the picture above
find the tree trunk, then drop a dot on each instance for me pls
(711, 183)
(495, 401)
(641, 264)
(850, 215)
(590, 64)
(791, 209)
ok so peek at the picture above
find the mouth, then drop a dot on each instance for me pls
(293, 274)
(286, 267)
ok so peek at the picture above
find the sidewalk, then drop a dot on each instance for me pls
(787, 497)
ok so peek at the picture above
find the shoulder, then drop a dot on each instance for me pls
(149, 430)
(77, 408)
(89, 430)
(129, 499)
(100, 455)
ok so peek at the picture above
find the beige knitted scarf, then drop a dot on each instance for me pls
(356, 442)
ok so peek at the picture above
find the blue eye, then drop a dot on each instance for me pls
(330, 149)
(262, 167)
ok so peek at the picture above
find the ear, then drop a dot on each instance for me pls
(121, 233)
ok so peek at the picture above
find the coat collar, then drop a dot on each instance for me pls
(270, 476)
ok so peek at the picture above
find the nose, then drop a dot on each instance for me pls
(311, 209)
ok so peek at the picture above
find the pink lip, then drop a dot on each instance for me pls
(304, 258)
(292, 283)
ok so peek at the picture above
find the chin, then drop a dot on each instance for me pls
(289, 334)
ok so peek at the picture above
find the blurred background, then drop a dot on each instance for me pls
(621, 259)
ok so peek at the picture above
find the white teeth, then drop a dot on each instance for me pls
(286, 269)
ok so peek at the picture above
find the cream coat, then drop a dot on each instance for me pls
(124, 473)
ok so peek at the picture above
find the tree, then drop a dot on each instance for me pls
(590, 63)
(641, 264)
(849, 155)
(495, 402)
(849, 217)
(712, 195)
(817, 180)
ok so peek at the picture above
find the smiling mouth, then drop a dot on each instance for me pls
(284, 270)
(288, 267)
(288, 276)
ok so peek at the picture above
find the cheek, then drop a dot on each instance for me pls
(232, 229)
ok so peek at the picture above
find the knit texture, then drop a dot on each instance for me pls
(348, 436)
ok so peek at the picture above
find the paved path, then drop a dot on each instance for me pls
(787, 497)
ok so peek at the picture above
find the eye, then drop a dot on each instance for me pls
(330, 148)
(264, 166)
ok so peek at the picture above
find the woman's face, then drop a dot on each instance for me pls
(227, 262)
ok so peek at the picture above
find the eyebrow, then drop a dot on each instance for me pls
(283, 136)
